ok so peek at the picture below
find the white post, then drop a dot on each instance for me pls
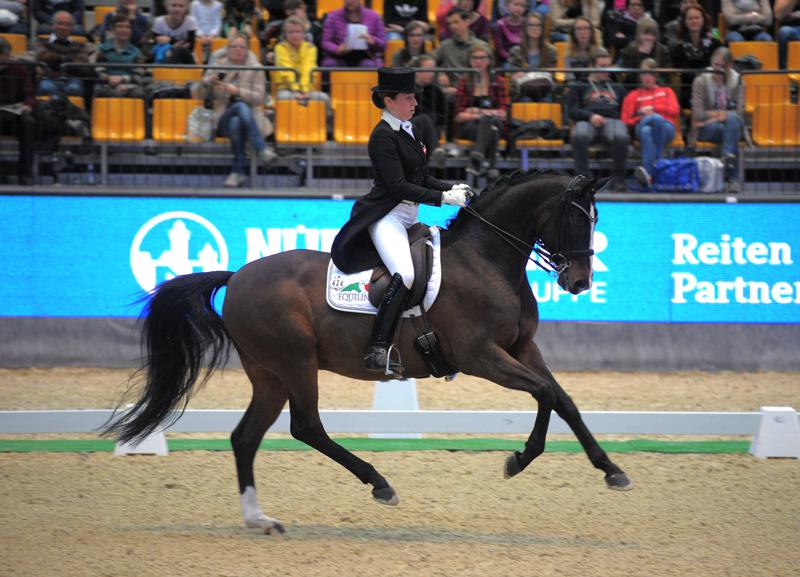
(399, 395)
(154, 444)
(778, 434)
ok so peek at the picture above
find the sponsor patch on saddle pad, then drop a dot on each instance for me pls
(349, 292)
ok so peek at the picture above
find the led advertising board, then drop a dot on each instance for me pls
(655, 262)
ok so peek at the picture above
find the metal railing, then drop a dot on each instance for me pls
(322, 141)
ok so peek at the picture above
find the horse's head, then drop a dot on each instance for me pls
(569, 231)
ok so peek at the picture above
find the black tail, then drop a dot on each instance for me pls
(181, 333)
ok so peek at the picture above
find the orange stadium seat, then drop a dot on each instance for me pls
(177, 75)
(530, 111)
(355, 86)
(19, 43)
(170, 116)
(353, 122)
(793, 60)
(100, 13)
(118, 119)
(777, 125)
(76, 100)
(300, 125)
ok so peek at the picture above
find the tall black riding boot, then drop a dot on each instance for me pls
(389, 312)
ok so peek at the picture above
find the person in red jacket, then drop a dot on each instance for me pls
(653, 113)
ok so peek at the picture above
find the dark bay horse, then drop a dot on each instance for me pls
(275, 314)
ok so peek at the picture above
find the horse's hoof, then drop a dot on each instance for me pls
(511, 466)
(619, 482)
(266, 524)
(278, 528)
(386, 496)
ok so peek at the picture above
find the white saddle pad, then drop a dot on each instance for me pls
(349, 292)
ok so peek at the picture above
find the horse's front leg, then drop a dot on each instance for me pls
(567, 410)
(500, 367)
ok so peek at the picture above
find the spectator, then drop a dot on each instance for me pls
(445, 6)
(119, 81)
(694, 48)
(174, 35)
(140, 24)
(482, 107)
(671, 25)
(274, 28)
(414, 44)
(239, 16)
(788, 14)
(747, 20)
(399, 14)
(478, 24)
(17, 102)
(508, 31)
(595, 106)
(718, 112)
(454, 52)
(645, 45)
(45, 12)
(58, 49)
(294, 51)
(353, 36)
(500, 8)
(533, 52)
(238, 97)
(652, 112)
(208, 15)
(619, 28)
(431, 114)
(15, 17)
(564, 12)
(583, 41)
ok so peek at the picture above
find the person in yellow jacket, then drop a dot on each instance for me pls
(294, 51)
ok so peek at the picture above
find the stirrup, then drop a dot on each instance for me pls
(379, 359)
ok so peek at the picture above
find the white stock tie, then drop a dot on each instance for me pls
(407, 127)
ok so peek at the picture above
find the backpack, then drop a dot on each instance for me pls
(676, 175)
(712, 174)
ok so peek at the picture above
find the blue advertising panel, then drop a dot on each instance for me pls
(655, 262)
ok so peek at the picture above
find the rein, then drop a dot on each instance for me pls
(551, 262)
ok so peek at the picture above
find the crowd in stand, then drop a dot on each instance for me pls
(498, 55)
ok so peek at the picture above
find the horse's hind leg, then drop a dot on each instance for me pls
(269, 397)
(307, 427)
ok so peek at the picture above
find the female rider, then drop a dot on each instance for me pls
(376, 231)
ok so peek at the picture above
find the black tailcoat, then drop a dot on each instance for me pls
(400, 170)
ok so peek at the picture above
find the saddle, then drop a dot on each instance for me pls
(419, 236)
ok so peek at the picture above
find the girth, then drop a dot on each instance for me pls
(422, 257)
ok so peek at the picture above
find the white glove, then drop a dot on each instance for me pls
(456, 196)
(462, 186)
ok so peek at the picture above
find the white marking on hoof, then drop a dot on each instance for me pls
(254, 518)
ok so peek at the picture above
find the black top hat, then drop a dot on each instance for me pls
(394, 81)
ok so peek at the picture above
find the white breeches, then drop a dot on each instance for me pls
(391, 240)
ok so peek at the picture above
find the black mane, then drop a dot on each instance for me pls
(499, 186)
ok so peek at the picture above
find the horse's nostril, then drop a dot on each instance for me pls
(580, 285)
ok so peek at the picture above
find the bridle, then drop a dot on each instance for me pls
(559, 261)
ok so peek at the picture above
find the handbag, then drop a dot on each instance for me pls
(200, 125)
(534, 85)
(676, 175)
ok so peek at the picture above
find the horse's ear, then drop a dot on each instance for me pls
(596, 185)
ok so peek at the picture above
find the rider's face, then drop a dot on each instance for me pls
(401, 106)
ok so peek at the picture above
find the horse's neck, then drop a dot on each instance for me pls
(520, 215)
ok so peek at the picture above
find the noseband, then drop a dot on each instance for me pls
(559, 261)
